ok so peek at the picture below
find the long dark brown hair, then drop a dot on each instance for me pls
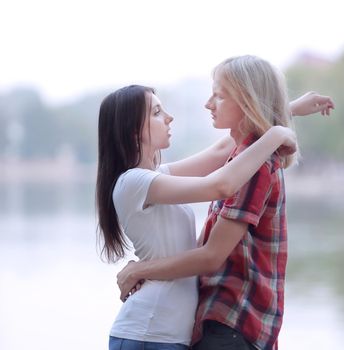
(121, 118)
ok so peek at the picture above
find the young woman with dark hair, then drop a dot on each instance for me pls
(144, 201)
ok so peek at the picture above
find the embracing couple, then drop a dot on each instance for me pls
(225, 291)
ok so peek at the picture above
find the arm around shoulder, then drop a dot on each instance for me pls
(225, 181)
(204, 162)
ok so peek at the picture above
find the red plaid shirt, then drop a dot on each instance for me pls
(247, 292)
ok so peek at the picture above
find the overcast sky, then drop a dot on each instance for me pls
(67, 47)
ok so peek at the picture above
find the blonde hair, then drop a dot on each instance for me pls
(260, 91)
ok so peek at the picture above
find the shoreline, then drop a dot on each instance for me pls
(308, 181)
(46, 171)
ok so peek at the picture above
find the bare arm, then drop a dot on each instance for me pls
(204, 162)
(213, 157)
(200, 261)
(224, 182)
(310, 103)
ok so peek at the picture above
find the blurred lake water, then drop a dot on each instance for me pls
(56, 293)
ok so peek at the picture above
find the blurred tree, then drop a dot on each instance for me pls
(23, 107)
(322, 137)
(48, 130)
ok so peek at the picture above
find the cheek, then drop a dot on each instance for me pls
(156, 128)
(223, 109)
(233, 110)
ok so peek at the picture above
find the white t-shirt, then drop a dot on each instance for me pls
(161, 311)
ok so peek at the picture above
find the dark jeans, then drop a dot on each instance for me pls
(218, 336)
(128, 344)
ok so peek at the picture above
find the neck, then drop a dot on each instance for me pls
(238, 136)
(147, 159)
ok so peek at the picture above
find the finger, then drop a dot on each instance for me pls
(124, 295)
(291, 150)
(323, 99)
(327, 101)
(331, 103)
(319, 107)
(287, 150)
(138, 286)
(330, 106)
(326, 111)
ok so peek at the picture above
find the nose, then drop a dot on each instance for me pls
(168, 118)
(209, 104)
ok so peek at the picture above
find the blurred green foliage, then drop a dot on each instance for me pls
(32, 129)
(322, 137)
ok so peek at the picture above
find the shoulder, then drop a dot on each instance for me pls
(135, 177)
(271, 165)
(266, 176)
(134, 172)
(130, 191)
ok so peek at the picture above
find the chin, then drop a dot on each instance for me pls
(216, 126)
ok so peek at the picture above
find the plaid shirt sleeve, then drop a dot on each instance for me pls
(249, 203)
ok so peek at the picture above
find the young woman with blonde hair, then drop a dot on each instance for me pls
(242, 255)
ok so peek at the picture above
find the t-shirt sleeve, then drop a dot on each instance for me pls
(130, 192)
(249, 203)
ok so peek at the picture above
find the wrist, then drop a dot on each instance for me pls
(278, 132)
(138, 273)
(279, 135)
(292, 108)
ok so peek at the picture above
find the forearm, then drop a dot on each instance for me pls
(204, 162)
(200, 261)
(224, 182)
(191, 263)
(237, 172)
(293, 108)
(310, 103)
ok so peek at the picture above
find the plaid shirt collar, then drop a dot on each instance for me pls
(248, 141)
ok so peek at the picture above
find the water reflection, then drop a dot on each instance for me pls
(52, 278)
(29, 199)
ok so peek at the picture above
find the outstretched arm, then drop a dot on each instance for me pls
(310, 103)
(204, 162)
(213, 157)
